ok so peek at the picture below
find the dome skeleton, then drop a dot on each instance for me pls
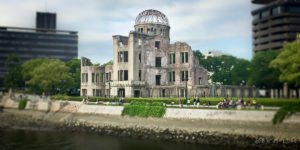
(152, 16)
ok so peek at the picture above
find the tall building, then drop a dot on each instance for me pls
(275, 23)
(145, 64)
(31, 43)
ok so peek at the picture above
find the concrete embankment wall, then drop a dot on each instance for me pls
(174, 113)
(243, 128)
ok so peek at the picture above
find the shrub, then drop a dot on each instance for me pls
(22, 103)
(285, 112)
(144, 109)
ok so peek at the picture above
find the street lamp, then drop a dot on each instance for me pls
(109, 86)
(186, 88)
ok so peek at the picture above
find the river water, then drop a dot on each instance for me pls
(12, 139)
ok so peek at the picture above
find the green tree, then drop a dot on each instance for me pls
(13, 78)
(108, 63)
(227, 70)
(29, 66)
(52, 77)
(74, 66)
(261, 75)
(288, 62)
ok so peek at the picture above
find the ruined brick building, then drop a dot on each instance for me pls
(145, 64)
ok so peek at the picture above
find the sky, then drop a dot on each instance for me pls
(223, 25)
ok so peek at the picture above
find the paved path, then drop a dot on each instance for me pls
(189, 106)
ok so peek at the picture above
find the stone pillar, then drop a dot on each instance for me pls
(229, 92)
(246, 92)
(272, 93)
(238, 92)
(219, 91)
(285, 90)
(254, 92)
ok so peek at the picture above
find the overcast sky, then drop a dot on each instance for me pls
(223, 25)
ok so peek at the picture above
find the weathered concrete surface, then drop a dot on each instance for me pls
(237, 115)
(217, 132)
(174, 113)
(96, 109)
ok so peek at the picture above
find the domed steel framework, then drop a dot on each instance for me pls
(152, 16)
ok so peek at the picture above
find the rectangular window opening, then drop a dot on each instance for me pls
(157, 61)
(157, 79)
(157, 44)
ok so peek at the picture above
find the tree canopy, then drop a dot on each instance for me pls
(226, 69)
(288, 63)
(52, 77)
(74, 71)
(261, 75)
(13, 78)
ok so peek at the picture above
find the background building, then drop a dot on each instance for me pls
(275, 23)
(42, 42)
(212, 53)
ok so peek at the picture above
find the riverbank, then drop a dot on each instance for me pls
(241, 128)
(216, 132)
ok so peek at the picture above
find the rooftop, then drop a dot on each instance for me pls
(35, 30)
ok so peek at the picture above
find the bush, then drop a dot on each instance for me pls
(22, 103)
(144, 109)
(285, 112)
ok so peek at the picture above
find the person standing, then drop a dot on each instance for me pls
(180, 103)
(188, 102)
(198, 102)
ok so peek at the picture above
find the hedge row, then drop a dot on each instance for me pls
(212, 100)
(144, 109)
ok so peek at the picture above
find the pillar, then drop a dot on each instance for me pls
(272, 93)
(285, 90)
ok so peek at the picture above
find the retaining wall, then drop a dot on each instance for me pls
(175, 113)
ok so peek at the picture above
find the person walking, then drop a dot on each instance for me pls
(198, 102)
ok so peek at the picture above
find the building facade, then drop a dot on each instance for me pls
(275, 23)
(31, 43)
(145, 64)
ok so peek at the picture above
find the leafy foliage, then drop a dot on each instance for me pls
(74, 66)
(22, 103)
(261, 75)
(288, 62)
(13, 78)
(144, 109)
(285, 112)
(108, 63)
(52, 77)
(227, 70)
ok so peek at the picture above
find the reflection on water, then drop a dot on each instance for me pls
(27, 139)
